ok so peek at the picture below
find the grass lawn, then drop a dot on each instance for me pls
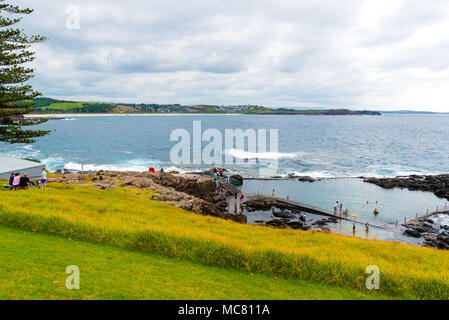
(128, 219)
(32, 266)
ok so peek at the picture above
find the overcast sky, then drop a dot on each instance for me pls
(358, 54)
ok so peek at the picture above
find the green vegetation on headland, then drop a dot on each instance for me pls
(48, 105)
(128, 220)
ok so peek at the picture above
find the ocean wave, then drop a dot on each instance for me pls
(241, 154)
(313, 174)
(28, 147)
(54, 163)
(370, 173)
(442, 219)
(392, 170)
(26, 151)
(286, 165)
(132, 165)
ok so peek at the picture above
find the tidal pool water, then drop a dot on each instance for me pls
(357, 196)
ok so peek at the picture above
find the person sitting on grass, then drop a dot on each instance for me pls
(16, 181)
(43, 178)
(24, 181)
(11, 180)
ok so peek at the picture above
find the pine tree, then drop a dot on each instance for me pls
(15, 94)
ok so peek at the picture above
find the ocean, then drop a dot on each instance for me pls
(317, 146)
(336, 148)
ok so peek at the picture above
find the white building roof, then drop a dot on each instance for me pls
(10, 164)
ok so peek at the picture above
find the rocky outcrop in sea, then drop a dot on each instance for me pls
(438, 184)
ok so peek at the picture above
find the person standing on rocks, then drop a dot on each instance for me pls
(335, 208)
(235, 202)
(217, 186)
(242, 199)
(302, 218)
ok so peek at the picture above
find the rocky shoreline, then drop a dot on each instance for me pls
(431, 229)
(287, 215)
(438, 184)
(193, 193)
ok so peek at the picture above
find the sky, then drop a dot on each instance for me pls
(357, 54)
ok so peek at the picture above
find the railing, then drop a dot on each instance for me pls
(427, 214)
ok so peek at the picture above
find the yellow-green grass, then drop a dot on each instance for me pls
(32, 266)
(129, 219)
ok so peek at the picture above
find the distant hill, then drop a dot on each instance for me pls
(51, 106)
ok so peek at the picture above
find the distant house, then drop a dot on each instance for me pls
(10, 165)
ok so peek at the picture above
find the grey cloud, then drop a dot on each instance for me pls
(325, 53)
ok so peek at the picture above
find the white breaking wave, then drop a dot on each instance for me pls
(241, 154)
(126, 166)
(442, 219)
(313, 174)
(26, 151)
(28, 147)
(134, 165)
(53, 162)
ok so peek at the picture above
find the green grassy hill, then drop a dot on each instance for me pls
(33, 267)
(53, 106)
(48, 105)
(128, 220)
